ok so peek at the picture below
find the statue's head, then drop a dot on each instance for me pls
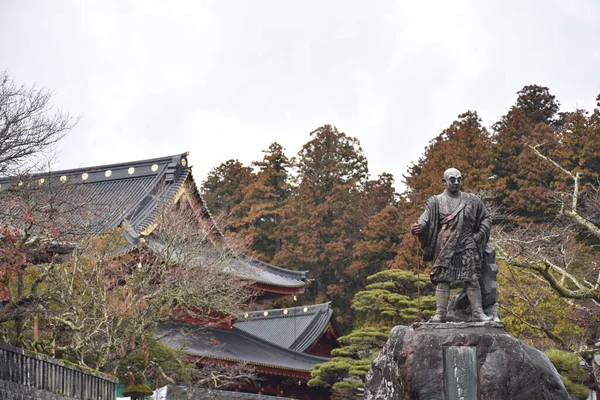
(452, 179)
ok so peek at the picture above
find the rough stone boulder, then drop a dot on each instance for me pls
(411, 364)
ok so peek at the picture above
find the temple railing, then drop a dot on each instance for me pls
(36, 371)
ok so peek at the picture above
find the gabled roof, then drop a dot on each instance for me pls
(234, 345)
(131, 194)
(295, 328)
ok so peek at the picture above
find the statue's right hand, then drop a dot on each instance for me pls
(416, 228)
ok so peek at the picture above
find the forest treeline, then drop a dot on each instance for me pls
(322, 211)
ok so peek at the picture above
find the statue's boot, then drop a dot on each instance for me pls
(442, 295)
(477, 314)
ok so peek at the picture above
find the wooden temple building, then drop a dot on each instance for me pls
(280, 345)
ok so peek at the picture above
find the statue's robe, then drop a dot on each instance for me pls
(447, 233)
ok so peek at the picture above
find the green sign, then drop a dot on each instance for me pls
(460, 373)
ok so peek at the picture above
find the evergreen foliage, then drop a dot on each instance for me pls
(521, 181)
(568, 366)
(260, 211)
(333, 201)
(224, 187)
(465, 145)
(390, 299)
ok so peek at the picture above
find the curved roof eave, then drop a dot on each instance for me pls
(256, 350)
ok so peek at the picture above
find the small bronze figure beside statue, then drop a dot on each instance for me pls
(454, 230)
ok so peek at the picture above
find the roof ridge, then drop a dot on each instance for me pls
(120, 164)
(311, 307)
(91, 174)
(134, 208)
(315, 325)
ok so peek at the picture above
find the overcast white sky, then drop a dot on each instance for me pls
(224, 79)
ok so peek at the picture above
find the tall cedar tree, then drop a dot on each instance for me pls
(465, 145)
(262, 205)
(380, 243)
(521, 181)
(223, 189)
(323, 221)
(386, 244)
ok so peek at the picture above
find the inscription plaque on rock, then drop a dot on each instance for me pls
(460, 372)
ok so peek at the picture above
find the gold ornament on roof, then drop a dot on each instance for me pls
(183, 162)
(108, 173)
(154, 167)
(84, 176)
(63, 179)
(131, 170)
(41, 181)
(285, 311)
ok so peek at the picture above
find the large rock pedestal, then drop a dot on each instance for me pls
(411, 364)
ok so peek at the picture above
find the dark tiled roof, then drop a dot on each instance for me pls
(234, 345)
(295, 328)
(130, 194)
(251, 268)
(118, 192)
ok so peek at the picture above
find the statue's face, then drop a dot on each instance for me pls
(452, 180)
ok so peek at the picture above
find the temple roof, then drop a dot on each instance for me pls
(234, 345)
(130, 194)
(295, 328)
(117, 193)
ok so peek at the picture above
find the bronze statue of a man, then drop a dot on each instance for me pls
(454, 230)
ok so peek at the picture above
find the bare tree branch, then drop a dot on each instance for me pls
(572, 211)
(29, 125)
